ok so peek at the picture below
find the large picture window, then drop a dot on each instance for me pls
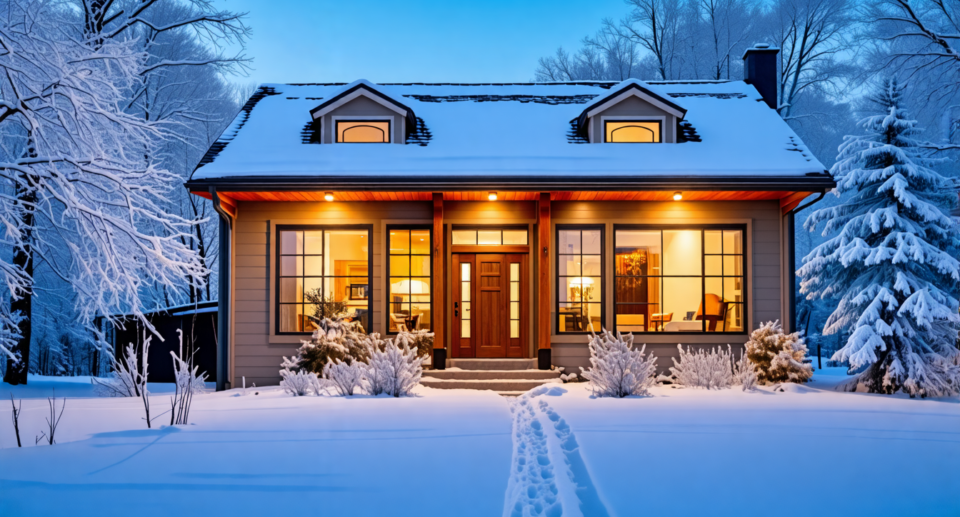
(322, 272)
(410, 272)
(579, 279)
(679, 280)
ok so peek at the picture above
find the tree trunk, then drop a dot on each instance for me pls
(22, 258)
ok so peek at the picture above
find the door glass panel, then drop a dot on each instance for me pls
(514, 299)
(465, 300)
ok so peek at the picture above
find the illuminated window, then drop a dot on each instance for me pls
(679, 280)
(363, 131)
(634, 132)
(323, 272)
(494, 237)
(580, 279)
(410, 273)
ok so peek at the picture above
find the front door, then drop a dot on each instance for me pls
(490, 305)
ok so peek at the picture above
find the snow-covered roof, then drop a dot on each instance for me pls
(501, 132)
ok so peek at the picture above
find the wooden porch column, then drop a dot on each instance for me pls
(543, 283)
(439, 308)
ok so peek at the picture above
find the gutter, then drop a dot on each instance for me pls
(223, 294)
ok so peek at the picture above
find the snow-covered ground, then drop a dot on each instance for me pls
(807, 450)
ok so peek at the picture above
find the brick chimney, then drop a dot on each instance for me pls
(760, 70)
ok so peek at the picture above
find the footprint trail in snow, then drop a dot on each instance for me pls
(548, 475)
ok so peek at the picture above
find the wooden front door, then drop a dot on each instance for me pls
(490, 305)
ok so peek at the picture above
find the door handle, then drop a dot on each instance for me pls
(456, 313)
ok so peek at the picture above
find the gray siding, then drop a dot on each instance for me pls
(634, 107)
(363, 107)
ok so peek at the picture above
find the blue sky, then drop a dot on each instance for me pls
(417, 40)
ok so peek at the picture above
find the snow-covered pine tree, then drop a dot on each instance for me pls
(892, 261)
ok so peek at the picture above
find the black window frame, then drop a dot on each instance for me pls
(336, 130)
(703, 276)
(324, 228)
(659, 132)
(603, 274)
(386, 296)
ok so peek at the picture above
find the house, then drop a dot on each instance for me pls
(510, 219)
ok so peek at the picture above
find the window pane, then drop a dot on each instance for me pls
(515, 237)
(313, 243)
(313, 265)
(291, 243)
(514, 328)
(638, 290)
(465, 272)
(633, 131)
(714, 265)
(712, 241)
(346, 253)
(680, 296)
(569, 242)
(735, 318)
(638, 252)
(423, 311)
(291, 266)
(291, 290)
(570, 317)
(399, 266)
(308, 324)
(420, 266)
(733, 289)
(488, 237)
(714, 286)
(399, 242)
(713, 313)
(580, 288)
(591, 314)
(570, 265)
(468, 237)
(514, 290)
(635, 318)
(313, 287)
(733, 265)
(591, 265)
(290, 318)
(732, 241)
(363, 131)
(682, 253)
(465, 291)
(591, 242)
(420, 242)
(514, 310)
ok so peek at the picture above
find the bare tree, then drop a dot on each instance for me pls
(655, 25)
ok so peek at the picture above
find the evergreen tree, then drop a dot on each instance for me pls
(891, 262)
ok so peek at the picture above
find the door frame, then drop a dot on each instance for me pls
(521, 348)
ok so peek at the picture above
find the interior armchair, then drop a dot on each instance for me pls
(714, 312)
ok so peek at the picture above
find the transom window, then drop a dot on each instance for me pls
(363, 131)
(632, 131)
(410, 273)
(322, 272)
(579, 279)
(493, 237)
(679, 280)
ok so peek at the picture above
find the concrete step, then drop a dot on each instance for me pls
(486, 384)
(458, 374)
(493, 364)
(510, 393)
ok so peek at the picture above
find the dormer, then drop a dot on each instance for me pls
(632, 112)
(362, 113)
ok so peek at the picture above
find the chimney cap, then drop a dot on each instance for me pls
(760, 48)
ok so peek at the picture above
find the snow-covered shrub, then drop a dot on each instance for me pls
(778, 356)
(188, 383)
(701, 369)
(335, 340)
(419, 340)
(892, 261)
(571, 377)
(393, 369)
(344, 377)
(127, 378)
(297, 381)
(617, 369)
(745, 373)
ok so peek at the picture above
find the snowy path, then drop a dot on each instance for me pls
(549, 476)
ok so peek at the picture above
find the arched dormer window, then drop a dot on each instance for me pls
(632, 131)
(363, 131)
